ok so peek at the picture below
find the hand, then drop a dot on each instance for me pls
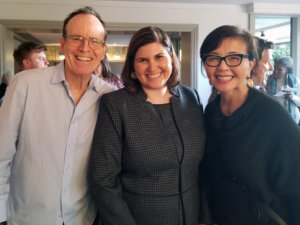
(5, 81)
(289, 96)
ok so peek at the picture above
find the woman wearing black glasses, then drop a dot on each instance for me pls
(252, 169)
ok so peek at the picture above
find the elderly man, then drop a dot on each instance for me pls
(30, 55)
(47, 121)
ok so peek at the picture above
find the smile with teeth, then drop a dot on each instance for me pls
(153, 75)
(81, 58)
(224, 78)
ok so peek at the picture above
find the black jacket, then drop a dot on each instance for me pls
(136, 175)
(252, 156)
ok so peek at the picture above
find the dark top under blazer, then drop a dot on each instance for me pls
(136, 175)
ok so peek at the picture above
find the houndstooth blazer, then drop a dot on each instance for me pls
(135, 174)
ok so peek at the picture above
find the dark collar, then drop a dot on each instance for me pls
(142, 95)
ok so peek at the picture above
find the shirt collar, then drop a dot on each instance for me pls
(59, 76)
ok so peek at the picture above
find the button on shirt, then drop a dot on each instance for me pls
(45, 142)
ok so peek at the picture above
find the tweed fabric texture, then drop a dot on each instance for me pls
(135, 174)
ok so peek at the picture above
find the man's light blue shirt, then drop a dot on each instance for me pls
(45, 142)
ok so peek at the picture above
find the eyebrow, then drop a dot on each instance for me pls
(229, 53)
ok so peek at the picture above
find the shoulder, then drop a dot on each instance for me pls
(269, 111)
(264, 101)
(117, 97)
(34, 76)
(102, 86)
(185, 92)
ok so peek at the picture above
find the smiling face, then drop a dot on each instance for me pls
(230, 79)
(153, 66)
(81, 60)
(261, 71)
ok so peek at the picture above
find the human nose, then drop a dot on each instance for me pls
(152, 65)
(85, 44)
(222, 64)
(271, 68)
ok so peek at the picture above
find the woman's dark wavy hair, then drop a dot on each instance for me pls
(143, 37)
(214, 39)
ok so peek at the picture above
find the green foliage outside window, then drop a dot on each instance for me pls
(281, 50)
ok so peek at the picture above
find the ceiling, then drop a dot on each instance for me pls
(51, 37)
(242, 2)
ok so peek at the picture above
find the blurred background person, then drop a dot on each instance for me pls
(259, 73)
(3, 86)
(30, 55)
(149, 141)
(251, 163)
(104, 72)
(285, 86)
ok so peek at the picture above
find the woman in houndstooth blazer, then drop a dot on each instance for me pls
(149, 141)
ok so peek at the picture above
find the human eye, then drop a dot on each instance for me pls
(95, 41)
(160, 56)
(77, 38)
(212, 58)
(234, 58)
(140, 60)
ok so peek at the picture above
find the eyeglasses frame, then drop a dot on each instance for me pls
(224, 58)
(102, 43)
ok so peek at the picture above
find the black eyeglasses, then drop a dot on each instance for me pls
(78, 40)
(230, 60)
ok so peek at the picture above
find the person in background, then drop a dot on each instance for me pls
(251, 164)
(259, 73)
(149, 141)
(47, 122)
(103, 71)
(285, 86)
(30, 55)
(3, 85)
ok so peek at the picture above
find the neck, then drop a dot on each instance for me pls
(158, 96)
(230, 102)
(256, 80)
(78, 85)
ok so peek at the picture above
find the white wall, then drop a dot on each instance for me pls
(206, 17)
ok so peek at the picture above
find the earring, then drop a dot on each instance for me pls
(250, 82)
(133, 75)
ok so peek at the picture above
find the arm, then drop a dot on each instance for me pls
(285, 172)
(106, 165)
(295, 99)
(11, 113)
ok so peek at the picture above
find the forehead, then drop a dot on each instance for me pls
(267, 54)
(279, 65)
(36, 53)
(85, 25)
(231, 45)
(151, 49)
